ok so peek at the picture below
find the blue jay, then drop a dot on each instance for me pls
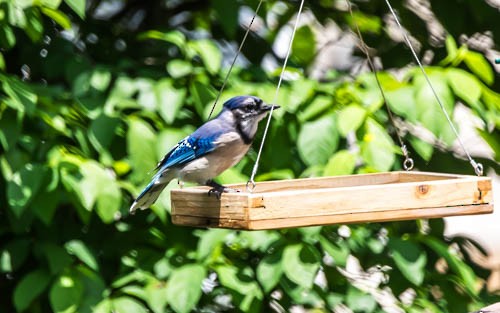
(214, 147)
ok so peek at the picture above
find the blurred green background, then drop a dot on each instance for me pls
(93, 93)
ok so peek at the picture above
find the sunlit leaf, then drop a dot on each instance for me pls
(24, 186)
(304, 45)
(300, 264)
(184, 287)
(209, 54)
(80, 250)
(58, 17)
(269, 270)
(318, 140)
(478, 64)
(141, 147)
(127, 305)
(350, 119)
(410, 259)
(65, 294)
(360, 301)
(341, 163)
(464, 85)
(13, 254)
(78, 6)
(377, 148)
(169, 99)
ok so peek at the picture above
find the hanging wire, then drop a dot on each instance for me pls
(235, 58)
(478, 167)
(251, 181)
(408, 162)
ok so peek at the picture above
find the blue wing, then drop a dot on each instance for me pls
(187, 150)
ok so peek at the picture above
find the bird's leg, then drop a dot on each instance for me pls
(218, 189)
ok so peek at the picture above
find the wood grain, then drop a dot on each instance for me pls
(340, 199)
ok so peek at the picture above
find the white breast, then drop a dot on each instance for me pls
(230, 150)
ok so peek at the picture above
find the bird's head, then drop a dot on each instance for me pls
(248, 108)
(247, 112)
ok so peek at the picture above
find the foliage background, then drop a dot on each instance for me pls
(93, 93)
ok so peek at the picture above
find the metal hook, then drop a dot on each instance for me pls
(478, 167)
(251, 189)
(408, 164)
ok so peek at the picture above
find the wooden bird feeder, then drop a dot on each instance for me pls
(392, 196)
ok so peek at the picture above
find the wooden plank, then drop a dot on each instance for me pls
(340, 199)
(376, 198)
(367, 217)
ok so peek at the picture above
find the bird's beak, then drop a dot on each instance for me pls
(266, 107)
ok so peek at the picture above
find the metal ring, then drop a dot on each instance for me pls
(250, 189)
(478, 169)
(408, 164)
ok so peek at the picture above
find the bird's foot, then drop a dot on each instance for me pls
(218, 189)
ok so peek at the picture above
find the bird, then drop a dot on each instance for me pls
(214, 147)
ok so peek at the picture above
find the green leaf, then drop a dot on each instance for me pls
(141, 148)
(301, 264)
(174, 37)
(304, 45)
(97, 187)
(100, 79)
(94, 289)
(156, 296)
(34, 26)
(21, 97)
(242, 283)
(360, 301)
(11, 129)
(409, 258)
(202, 94)
(270, 270)
(478, 64)
(13, 254)
(451, 46)
(57, 257)
(467, 277)
(2, 62)
(209, 242)
(80, 250)
(179, 68)
(7, 37)
(465, 85)
(227, 12)
(53, 4)
(350, 119)
(317, 106)
(318, 140)
(341, 163)
(402, 102)
(127, 305)
(29, 288)
(184, 287)
(57, 16)
(339, 252)
(65, 294)
(102, 131)
(209, 54)
(429, 112)
(424, 149)
(23, 187)
(377, 148)
(169, 100)
(78, 6)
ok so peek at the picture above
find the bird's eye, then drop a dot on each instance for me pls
(248, 108)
